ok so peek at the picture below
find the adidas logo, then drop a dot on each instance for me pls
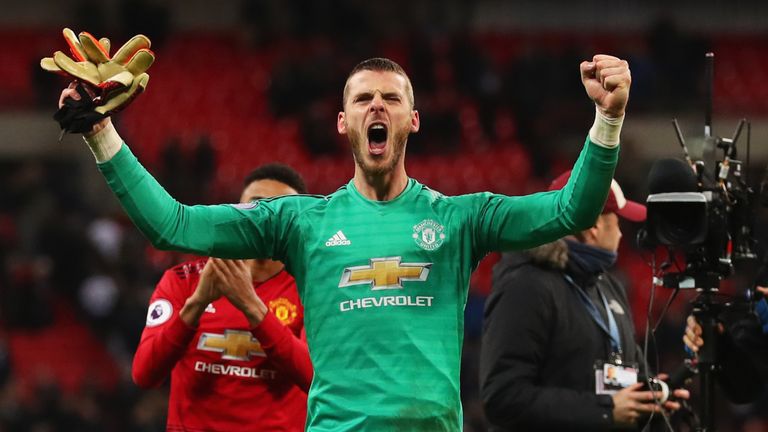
(338, 239)
(210, 308)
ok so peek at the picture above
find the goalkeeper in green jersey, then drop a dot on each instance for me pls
(383, 264)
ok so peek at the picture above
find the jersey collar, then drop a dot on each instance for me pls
(410, 190)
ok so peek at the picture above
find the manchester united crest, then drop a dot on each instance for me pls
(428, 234)
(284, 310)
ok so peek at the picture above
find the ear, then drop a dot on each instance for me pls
(415, 121)
(341, 123)
(590, 235)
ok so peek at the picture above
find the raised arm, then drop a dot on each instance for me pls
(505, 223)
(227, 231)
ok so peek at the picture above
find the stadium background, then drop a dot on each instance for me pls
(240, 83)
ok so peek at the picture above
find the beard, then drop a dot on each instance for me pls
(376, 168)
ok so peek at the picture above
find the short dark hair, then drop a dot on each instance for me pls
(379, 64)
(277, 172)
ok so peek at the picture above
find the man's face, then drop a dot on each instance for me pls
(377, 118)
(607, 233)
(265, 188)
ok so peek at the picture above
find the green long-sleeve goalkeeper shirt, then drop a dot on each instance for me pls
(383, 283)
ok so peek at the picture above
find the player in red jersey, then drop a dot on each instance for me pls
(231, 335)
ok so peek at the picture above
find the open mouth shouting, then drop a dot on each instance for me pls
(377, 138)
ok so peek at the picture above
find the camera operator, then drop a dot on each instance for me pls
(558, 333)
(742, 349)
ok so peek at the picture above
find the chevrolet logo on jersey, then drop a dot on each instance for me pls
(385, 273)
(233, 344)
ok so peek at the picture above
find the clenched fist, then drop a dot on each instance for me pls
(607, 80)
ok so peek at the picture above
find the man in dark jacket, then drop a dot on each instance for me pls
(556, 326)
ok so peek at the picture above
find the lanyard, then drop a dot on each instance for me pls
(612, 330)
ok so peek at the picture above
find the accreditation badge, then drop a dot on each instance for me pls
(611, 377)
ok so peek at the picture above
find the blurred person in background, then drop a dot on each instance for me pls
(230, 333)
(380, 232)
(741, 348)
(556, 319)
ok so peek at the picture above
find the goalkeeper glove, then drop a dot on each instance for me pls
(115, 80)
